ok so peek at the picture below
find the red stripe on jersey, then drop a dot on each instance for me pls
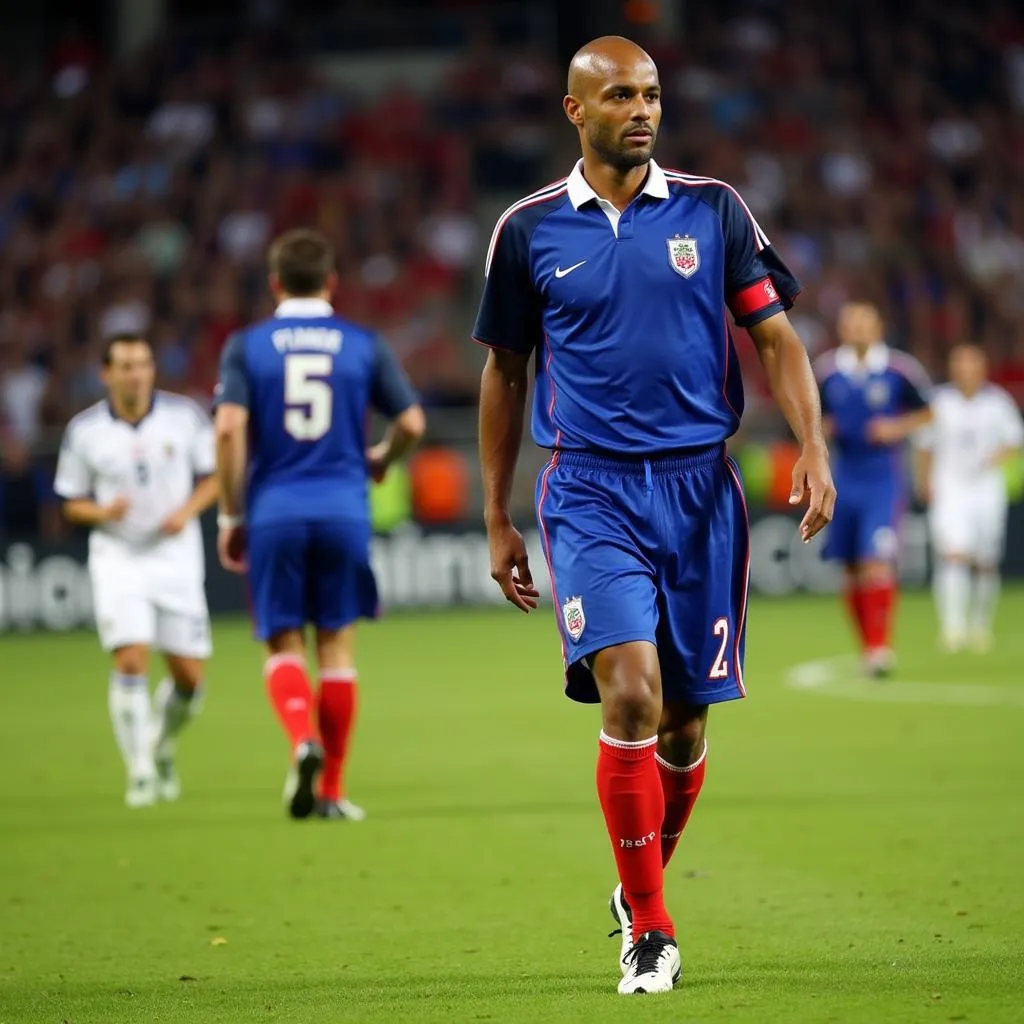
(551, 384)
(546, 548)
(761, 240)
(540, 196)
(755, 297)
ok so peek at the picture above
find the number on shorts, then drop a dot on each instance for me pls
(720, 666)
(308, 399)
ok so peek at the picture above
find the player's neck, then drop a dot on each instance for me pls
(862, 353)
(618, 186)
(133, 414)
(321, 296)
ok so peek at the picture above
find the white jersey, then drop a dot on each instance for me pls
(152, 464)
(965, 436)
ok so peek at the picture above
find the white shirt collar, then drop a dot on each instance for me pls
(304, 307)
(876, 360)
(580, 191)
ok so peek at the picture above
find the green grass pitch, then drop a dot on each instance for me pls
(856, 854)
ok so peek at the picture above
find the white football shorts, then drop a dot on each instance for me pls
(969, 524)
(140, 600)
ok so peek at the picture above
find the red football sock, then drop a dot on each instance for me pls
(336, 712)
(681, 787)
(630, 792)
(879, 602)
(290, 694)
(855, 605)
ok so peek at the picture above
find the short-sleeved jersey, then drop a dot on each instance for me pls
(309, 380)
(152, 463)
(627, 313)
(965, 436)
(853, 393)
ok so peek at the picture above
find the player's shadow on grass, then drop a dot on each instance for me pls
(103, 816)
(488, 810)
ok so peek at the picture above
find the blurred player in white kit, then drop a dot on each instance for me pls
(976, 429)
(128, 469)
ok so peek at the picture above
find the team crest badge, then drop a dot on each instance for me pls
(169, 450)
(575, 620)
(878, 393)
(683, 255)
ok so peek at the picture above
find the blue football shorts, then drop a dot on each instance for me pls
(310, 572)
(866, 523)
(649, 549)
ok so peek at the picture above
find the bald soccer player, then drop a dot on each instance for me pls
(616, 282)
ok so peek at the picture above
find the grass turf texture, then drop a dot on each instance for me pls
(849, 860)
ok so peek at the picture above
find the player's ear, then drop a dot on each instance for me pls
(331, 284)
(573, 110)
(275, 286)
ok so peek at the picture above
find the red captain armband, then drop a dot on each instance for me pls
(754, 298)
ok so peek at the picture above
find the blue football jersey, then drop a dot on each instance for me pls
(853, 393)
(627, 313)
(309, 380)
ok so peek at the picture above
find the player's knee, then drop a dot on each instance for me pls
(187, 674)
(132, 660)
(288, 641)
(336, 648)
(630, 690)
(633, 709)
(876, 572)
(682, 742)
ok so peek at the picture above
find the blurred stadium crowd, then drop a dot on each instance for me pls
(881, 145)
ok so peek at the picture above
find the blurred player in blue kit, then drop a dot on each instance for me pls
(873, 398)
(293, 401)
(616, 282)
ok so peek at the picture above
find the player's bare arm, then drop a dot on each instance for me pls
(502, 409)
(793, 385)
(894, 429)
(1007, 453)
(230, 425)
(203, 497)
(404, 432)
(86, 512)
(923, 474)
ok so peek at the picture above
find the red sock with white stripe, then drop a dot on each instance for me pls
(855, 605)
(290, 695)
(681, 787)
(336, 713)
(631, 797)
(879, 601)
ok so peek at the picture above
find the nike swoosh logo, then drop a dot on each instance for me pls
(559, 272)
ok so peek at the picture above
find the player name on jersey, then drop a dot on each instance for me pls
(307, 339)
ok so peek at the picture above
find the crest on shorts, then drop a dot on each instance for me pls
(683, 255)
(169, 450)
(885, 542)
(575, 620)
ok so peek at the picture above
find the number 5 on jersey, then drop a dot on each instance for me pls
(308, 397)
